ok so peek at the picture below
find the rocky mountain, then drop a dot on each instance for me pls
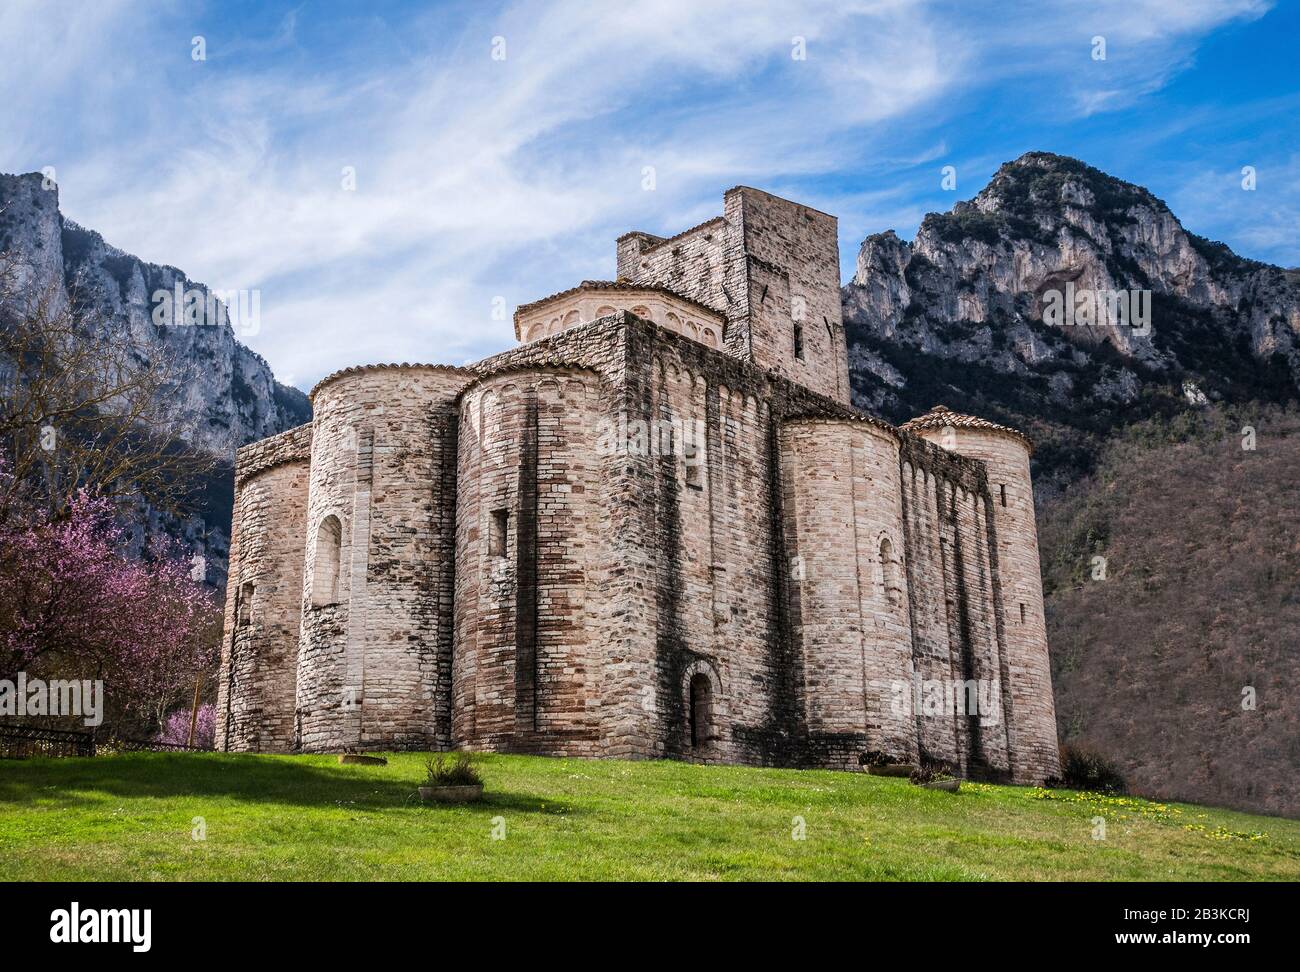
(972, 313)
(1158, 374)
(230, 396)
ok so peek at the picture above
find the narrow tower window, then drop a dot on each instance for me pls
(325, 577)
(1022, 612)
(701, 714)
(798, 341)
(1003, 489)
(891, 588)
(497, 529)
(693, 459)
(246, 603)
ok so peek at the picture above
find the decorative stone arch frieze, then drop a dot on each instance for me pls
(592, 300)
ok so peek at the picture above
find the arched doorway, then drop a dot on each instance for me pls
(701, 711)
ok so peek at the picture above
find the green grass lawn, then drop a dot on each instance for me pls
(129, 817)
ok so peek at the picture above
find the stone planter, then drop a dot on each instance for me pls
(892, 769)
(451, 794)
(948, 786)
(356, 759)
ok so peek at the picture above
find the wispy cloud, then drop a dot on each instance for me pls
(479, 177)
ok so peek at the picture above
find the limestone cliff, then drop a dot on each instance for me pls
(232, 398)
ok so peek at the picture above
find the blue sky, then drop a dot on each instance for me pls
(480, 178)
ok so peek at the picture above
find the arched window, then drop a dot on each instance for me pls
(892, 589)
(325, 579)
(701, 714)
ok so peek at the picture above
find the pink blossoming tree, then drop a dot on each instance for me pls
(176, 730)
(71, 602)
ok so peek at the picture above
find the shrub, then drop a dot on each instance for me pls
(452, 769)
(930, 772)
(1084, 769)
(874, 757)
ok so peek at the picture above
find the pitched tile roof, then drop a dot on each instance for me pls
(941, 417)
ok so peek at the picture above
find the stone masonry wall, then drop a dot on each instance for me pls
(772, 267)
(374, 665)
(1032, 719)
(529, 563)
(793, 272)
(735, 536)
(259, 651)
(693, 263)
(845, 548)
(692, 587)
(592, 300)
(710, 539)
(959, 607)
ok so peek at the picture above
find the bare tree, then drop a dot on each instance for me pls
(84, 403)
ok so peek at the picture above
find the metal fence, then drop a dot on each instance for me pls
(20, 742)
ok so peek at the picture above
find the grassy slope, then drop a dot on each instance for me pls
(293, 818)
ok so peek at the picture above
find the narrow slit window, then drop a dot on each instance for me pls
(497, 531)
(246, 603)
(693, 458)
(891, 586)
(1003, 490)
(798, 341)
(1022, 612)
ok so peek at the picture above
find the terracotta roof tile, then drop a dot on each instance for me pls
(357, 369)
(941, 417)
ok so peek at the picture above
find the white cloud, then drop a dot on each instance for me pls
(1261, 222)
(475, 177)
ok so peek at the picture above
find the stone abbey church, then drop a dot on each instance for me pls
(657, 528)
